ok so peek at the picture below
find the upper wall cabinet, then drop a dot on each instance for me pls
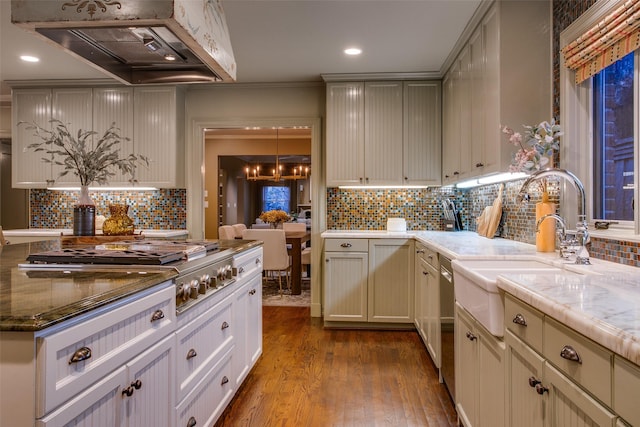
(502, 76)
(151, 117)
(383, 133)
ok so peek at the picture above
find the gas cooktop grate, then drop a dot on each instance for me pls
(97, 256)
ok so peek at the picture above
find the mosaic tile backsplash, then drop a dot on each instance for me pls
(163, 209)
(349, 209)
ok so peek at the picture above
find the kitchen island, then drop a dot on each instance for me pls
(106, 346)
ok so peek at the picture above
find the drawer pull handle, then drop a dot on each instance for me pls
(520, 320)
(345, 245)
(225, 325)
(191, 354)
(540, 389)
(420, 251)
(533, 381)
(430, 257)
(258, 262)
(471, 336)
(570, 353)
(157, 315)
(191, 422)
(137, 384)
(224, 380)
(425, 272)
(252, 292)
(127, 391)
(241, 270)
(81, 354)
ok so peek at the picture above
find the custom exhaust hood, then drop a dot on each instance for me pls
(137, 41)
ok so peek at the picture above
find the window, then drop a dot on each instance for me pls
(613, 122)
(276, 197)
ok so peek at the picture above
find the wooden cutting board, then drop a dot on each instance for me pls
(496, 214)
(482, 222)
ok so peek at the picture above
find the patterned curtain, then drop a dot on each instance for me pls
(605, 43)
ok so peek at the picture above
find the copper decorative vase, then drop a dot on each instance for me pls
(119, 223)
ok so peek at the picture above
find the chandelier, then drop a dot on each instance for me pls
(278, 173)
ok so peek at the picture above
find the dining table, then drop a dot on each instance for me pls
(295, 239)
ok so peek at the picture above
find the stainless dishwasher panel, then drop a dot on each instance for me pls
(447, 309)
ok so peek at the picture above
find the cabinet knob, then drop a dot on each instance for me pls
(533, 381)
(258, 262)
(420, 251)
(157, 315)
(570, 353)
(127, 391)
(224, 380)
(520, 320)
(252, 292)
(406, 178)
(191, 354)
(446, 176)
(471, 336)
(425, 273)
(540, 389)
(137, 384)
(81, 354)
(479, 165)
(456, 173)
(191, 422)
(225, 325)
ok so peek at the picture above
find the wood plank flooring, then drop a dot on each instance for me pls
(311, 376)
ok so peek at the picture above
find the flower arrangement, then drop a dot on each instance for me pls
(540, 142)
(275, 216)
(74, 152)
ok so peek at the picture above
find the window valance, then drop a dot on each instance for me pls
(605, 43)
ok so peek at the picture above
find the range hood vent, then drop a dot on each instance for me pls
(137, 41)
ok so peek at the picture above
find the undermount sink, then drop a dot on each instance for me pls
(477, 291)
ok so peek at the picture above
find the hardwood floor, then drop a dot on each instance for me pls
(311, 376)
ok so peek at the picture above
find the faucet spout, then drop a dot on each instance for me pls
(563, 227)
(581, 226)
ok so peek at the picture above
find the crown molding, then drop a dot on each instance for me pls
(345, 77)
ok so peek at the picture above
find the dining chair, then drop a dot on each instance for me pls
(2, 241)
(238, 229)
(275, 256)
(225, 232)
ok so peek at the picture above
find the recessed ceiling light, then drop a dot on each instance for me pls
(28, 58)
(353, 51)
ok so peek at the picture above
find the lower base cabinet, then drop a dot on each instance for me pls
(480, 380)
(369, 281)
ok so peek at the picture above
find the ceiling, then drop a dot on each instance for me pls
(288, 40)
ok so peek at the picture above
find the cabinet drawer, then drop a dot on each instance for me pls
(524, 321)
(248, 263)
(626, 389)
(78, 356)
(428, 255)
(200, 342)
(346, 245)
(592, 367)
(204, 404)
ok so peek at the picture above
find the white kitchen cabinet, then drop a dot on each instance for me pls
(27, 168)
(427, 300)
(247, 314)
(546, 388)
(489, 88)
(390, 282)
(158, 113)
(345, 280)
(422, 134)
(149, 119)
(383, 133)
(345, 133)
(480, 385)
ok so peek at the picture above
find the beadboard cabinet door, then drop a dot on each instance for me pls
(158, 135)
(345, 134)
(115, 105)
(345, 286)
(383, 133)
(422, 135)
(27, 167)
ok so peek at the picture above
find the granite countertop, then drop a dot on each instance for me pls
(603, 304)
(31, 300)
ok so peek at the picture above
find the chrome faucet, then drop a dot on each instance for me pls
(568, 242)
(581, 237)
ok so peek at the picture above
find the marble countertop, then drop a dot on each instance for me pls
(31, 300)
(47, 232)
(603, 304)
